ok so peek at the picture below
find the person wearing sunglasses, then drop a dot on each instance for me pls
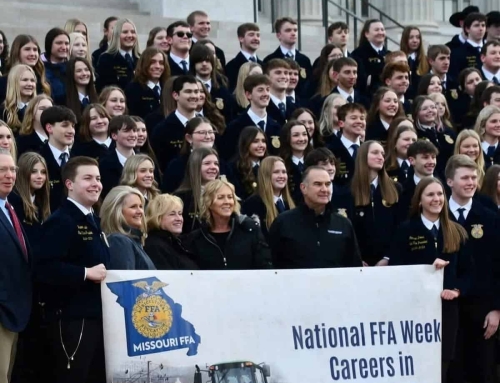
(179, 37)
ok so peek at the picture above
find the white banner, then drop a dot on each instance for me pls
(378, 324)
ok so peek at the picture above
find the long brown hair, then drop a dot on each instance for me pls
(142, 69)
(84, 130)
(391, 160)
(211, 112)
(423, 64)
(453, 234)
(490, 183)
(326, 84)
(285, 147)
(244, 164)
(360, 185)
(366, 27)
(374, 111)
(72, 97)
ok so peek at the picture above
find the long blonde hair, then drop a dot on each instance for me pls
(129, 174)
(114, 44)
(483, 117)
(13, 96)
(70, 27)
(239, 91)
(29, 116)
(464, 134)
(326, 121)
(73, 37)
(13, 146)
(208, 199)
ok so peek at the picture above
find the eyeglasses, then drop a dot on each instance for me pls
(205, 133)
(5, 169)
(182, 34)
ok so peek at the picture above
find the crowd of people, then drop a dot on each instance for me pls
(171, 158)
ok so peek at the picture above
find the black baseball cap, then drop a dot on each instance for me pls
(492, 18)
(460, 16)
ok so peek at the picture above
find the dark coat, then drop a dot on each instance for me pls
(167, 251)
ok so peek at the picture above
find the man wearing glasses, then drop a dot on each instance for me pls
(179, 37)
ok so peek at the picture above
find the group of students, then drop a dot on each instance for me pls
(173, 159)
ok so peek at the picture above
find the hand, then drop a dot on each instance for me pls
(440, 264)
(383, 262)
(449, 295)
(96, 273)
(365, 264)
(491, 323)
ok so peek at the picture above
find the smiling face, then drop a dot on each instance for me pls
(6, 138)
(38, 177)
(87, 187)
(60, 49)
(142, 134)
(7, 176)
(126, 138)
(79, 48)
(376, 34)
(145, 175)
(432, 201)
(98, 124)
(115, 104)
(27, 84)
(316, 188)
(209, 168)
(251, 41)
(172, 220)
(156, 67)
(188, 97)
(260, 96)
(434, 85)
(128, 37)
(61, 134)
(428, 113)
(470, 147)
(160, 41)
(307, 120)
(298, 140)
(423, 164)
(375, 157)
(82, 73)
(257, 148)
(133, 211)
(29, 54)
(388, 105)
(279, 79)
(279, 177)
(223, 204)
(404, 141)
(492, 127)
(203, 136)
(464, 183)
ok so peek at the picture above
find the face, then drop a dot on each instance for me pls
(376, 34)
(470, 147)
(201, 28)
(27, 84)
(7, 175)
(115, 104)
(257, 148)
(441, 107)
(492, 126)
(307, 120)
(329, 166)
(128, 37)
(336, 104)
(42, 105)
(432, 199)
(347, 76)
(389, 105)
(79, 48)
(202, 137)
(336, 53)
(288, 34)
(188, 97)
(293, 77)
(145, 175)
(223, 203)
(60, 48)
(493, 31)
(441, 64)
(5, 138)
(470, 83)
(424, 164)
(279, 178)
(156, 67)
(142, 134)
(38, 177)
(62, 133)
(354, 124)
(98, 124)
(126, 138)
(259, 96)
(414, 40)
(477, 30)
(181, 39)
(133, 211)
(298, 138)
(495, 99)
(201, 96)
(404, 141)
(172, 220)
(316, 188)
(80, 28)
(29, 54)
(339, 37)
(375, 158)
(87, 187)
(251, 41)
(203, 69)
(464, 183)
(434, 85)
(82, 73)
(255, 70)
(399, 82)
(160, 41)
(428, 113)
(279, 78)
(209, 168)
(492, 57)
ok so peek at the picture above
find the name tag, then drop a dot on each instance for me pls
(334, 232)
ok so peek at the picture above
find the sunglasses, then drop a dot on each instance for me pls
(182, 34)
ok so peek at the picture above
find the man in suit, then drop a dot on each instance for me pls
(249, 37)
(338, 34)
(15, 283)
(179, 37)
(280, 107)
(396, 76)
(457, 20)
(200, 27)
(490, 69)
(286, 32)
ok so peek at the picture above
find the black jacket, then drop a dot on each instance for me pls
(167, 252)
(300, 239)
(245, 247)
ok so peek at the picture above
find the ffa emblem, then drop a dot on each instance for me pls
(275, 142)
(219, 103)
(303, 73)
(454, 93)
(385, 203)
(342, 212)
(477, 231)
(254, 185)
(448, 139)
(395, 179)
(361, 213)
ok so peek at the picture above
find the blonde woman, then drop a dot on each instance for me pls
(139, 172)
(114, 101)
(21, 89)
(469, 143)
(77, 26)
(32, 136)
(7, 140)
(328, 122)
(486, 127)
(122, 220)
(78, 46)
(115, 68)
(444, 113)
(163, 244)
(247, 69)
(227, 239)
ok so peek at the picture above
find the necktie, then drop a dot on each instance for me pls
(434, 232)
(129, 60)
(290, 100)
(255, 170)
(301, 166)
(282, 108)
(461, 217)
(495, 80)
(262, 124)
(252, 59)
(184, 66)
(156, 89)
(290, 56)
(17, 228)
(207, 85)
(280, 205)
(354, 148)
(405, 167)
(339, 133)
(350, 100)
(91, 220)
(22, 111)
(85, 101)
(64, 158)
(372, 190)
(491, 153)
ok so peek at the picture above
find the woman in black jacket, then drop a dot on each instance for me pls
(226, 239)
(164, 223)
